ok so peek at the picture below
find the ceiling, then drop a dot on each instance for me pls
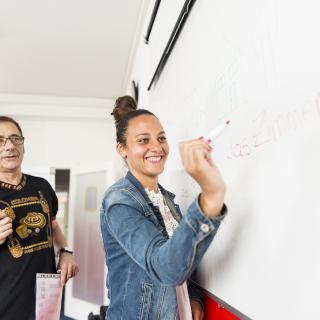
(77, 48)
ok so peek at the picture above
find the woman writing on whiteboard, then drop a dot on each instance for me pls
(151, 250)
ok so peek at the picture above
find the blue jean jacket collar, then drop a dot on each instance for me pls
(169, 197)
(139, 186)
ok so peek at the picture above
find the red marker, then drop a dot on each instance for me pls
(215, 133)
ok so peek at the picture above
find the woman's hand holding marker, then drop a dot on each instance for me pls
(197, 161)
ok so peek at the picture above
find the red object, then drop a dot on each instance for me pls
(214, 311)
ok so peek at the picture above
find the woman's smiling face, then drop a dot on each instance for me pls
(146, 149)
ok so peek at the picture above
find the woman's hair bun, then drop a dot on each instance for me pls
(122, 107)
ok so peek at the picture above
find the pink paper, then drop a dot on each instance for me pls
(48, 296)
(183, 301)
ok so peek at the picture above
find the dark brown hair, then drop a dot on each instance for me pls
(125, 109)
(11, 120)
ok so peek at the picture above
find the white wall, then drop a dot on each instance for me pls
(63, 132)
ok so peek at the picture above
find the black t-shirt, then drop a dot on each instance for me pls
(32, 205)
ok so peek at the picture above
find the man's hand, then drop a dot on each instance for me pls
(67, 267)
(197, 311)
(5, 227)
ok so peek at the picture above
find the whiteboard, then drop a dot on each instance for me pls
(255, 63)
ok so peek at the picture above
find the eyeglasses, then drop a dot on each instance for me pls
(15, 140)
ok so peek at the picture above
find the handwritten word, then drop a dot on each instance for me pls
(268, 129)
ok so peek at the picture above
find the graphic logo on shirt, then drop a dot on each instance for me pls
(31, 224)
(33, 231)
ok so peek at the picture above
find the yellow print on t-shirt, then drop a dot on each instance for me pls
(31, 224)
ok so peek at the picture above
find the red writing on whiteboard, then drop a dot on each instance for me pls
(268, 128)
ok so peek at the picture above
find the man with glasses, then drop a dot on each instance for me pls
(28, 229)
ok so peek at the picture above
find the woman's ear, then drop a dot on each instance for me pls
(121, 150)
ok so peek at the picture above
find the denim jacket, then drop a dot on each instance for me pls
(144, 265)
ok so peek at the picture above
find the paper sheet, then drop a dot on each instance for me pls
(183, 301)
(48, 296)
